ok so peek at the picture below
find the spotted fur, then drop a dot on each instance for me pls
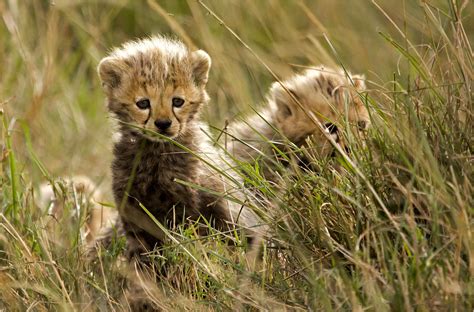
(321, 92)
(147, 168)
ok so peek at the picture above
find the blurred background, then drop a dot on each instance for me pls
(393, 232)
(50, 49)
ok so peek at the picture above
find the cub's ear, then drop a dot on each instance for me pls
(110, 73)
(359, 82)
(201, 63)
(284, 101)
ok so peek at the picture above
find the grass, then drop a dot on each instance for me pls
(390, 230)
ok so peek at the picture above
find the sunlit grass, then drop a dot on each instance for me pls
(389, 228)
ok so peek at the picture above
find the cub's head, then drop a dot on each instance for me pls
(155, 84)
(329, 94)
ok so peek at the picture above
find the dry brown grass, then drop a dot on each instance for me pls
(392, 230)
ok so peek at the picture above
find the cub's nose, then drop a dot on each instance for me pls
(162, 124)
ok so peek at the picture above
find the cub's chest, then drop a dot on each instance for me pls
(155, 182)
(149, 175)
(162, 171)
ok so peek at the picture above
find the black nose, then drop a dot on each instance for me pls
(162, 124)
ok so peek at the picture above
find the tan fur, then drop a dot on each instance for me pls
(323, 92)
(158, 70)
(146, 168)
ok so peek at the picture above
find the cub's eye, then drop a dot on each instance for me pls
(177, 102)
(143, 104)
(362, 125)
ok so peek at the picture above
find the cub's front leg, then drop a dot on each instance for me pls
(136, 220)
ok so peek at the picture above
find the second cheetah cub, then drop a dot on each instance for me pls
(156, 88)
(332, 96)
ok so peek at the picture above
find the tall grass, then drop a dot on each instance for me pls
(389, 230)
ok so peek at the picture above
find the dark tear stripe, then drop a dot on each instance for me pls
(172, 109)
(149, 115)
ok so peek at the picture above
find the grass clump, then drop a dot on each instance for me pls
(388, 227)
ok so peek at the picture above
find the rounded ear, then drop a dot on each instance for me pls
(359, 82)
(282, 99)
(110, 72)
(201, 64)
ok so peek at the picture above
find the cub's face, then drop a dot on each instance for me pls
(329, 95)
(156, 90)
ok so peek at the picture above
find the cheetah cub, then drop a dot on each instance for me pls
(332, 96)
(156, 88)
